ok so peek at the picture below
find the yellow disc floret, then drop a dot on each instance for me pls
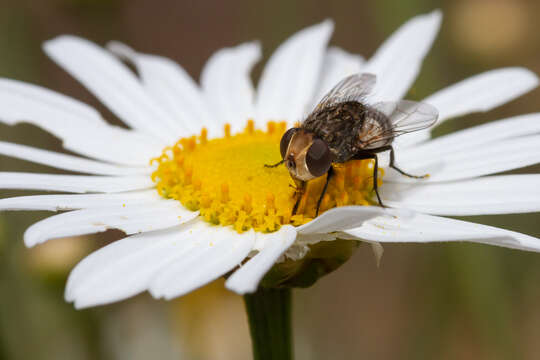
(226, 181)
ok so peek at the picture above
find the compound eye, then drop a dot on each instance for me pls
(318, 158)
(285, 140)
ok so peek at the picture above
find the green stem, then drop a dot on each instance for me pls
(269, 315)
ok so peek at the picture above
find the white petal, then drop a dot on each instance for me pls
(72, 122)
(125, 267)
(218, 251)
(337, 65)
(289, 79)
(113, 144)
(73, 183)
(130, 219)
(345, 217)
(78, 125)
(247, 278)
(42, 107)
(488, 159)
(488, 195)
(426, 228)
(397, 62)
(67, 162)
(113, 84)
(171, 87)
(482, 92)
(74, 202)
(471, 139)
(227, 85)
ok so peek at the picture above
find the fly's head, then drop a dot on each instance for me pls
(306, 156)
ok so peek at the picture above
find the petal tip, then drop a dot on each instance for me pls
(328, 23)
(68, 296)
(325, 27)
(30, 240)
(255, 45)
(254, 48)
(51, 44)
(120, 49)
(84, 304)
(431, 20)
(436, 14)
(152, 290)
(29, 244)
(530, 76)
(239, 289)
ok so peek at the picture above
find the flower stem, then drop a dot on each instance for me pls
(269, 315)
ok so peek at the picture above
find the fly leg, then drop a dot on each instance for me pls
(300, 189)
(363, 156)
(375, 182)
(274, 165)
(393, 166)
(329, 175)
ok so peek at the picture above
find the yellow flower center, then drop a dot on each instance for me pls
(226, 181)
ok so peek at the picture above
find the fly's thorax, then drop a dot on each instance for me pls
(338, 125)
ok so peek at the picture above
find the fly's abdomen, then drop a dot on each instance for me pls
(373, 131)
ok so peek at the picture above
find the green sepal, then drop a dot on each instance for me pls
(322, 258)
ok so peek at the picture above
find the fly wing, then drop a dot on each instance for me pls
(352, 88)
(401, 117)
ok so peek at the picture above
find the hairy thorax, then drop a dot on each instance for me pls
(344, 125)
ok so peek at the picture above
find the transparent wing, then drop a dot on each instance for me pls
(402, 117)
(352, 88)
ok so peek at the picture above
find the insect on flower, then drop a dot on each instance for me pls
(343, 127)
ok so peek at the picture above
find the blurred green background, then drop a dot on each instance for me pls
(444, 301)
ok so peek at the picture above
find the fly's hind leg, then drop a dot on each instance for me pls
(393, 166)
(364, 156)
(375, 182)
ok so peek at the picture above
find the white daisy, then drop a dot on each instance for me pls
(214, 174)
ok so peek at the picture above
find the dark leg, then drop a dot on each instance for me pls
(300, 188)
(274, 165)
(329, 175)
(363, 156)
(375, 182)
(393, 166)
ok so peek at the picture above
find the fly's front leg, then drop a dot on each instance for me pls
(329, 175)
(300, 189)
(274, 165)
(393, 166)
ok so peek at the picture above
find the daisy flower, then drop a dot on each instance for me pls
(186, 183)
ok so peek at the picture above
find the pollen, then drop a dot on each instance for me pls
(226, 181)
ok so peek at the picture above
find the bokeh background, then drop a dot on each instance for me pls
(444, 301)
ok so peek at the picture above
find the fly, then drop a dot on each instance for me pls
(343, 127)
